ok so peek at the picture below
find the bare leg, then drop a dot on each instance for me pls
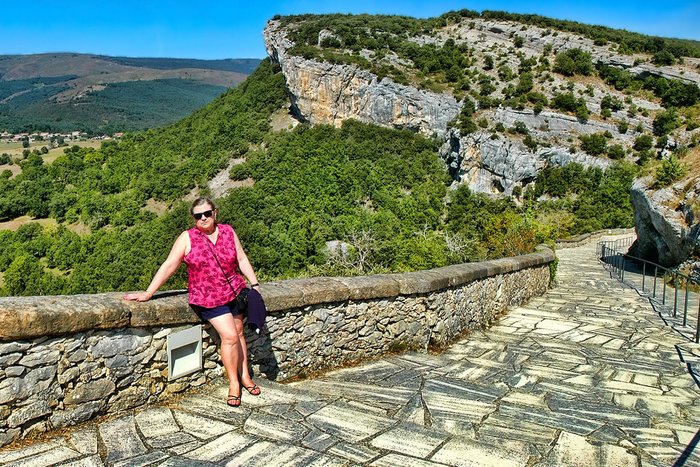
(230, 350)
(246, 379)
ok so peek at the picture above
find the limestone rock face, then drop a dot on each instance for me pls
(497, 165)
(326, 93)
(667, 227)
(493, 159)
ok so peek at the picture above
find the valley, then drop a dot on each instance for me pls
(401, 145)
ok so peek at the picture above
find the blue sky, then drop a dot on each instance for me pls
(211, 29)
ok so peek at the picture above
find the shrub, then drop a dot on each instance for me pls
(531, 143)
(520, 128)
(573, 62)
(582, 112)
(644, 156)
(643, 142)
(663, 57)
(330, 42)
(570, 103)
(612, 103)
(623, 126)
(525, 84)
(526, 64)
(616, 151)
(594, 145)
(670, 170)
(665, 122)
(486, 87)
(505, 73)
(661, 141)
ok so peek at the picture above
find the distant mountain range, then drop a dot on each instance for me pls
(97, 93)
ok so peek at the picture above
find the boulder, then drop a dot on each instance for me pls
(667, 225)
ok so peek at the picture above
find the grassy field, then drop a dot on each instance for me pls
(15, 224)
(15, 151)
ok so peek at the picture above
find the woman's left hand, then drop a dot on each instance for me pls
(139, 296)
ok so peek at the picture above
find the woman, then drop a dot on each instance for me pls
(213, 255)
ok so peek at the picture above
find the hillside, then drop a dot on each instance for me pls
(325, 167)
(100, 94)
(509, 94)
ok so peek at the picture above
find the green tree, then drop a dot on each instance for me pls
(669, 171)
(595, 144)
(573, 62)
(665, 122)
(663, 57)
(643, 142)
(616, 151)
(26, 276)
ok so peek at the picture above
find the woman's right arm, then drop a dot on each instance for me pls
(166, 270)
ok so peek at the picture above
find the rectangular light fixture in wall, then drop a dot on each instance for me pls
(184, 352)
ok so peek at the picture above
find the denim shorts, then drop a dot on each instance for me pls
(209, 313)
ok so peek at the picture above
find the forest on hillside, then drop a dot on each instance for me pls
(103, 95)
(383, 193)
(127, 106)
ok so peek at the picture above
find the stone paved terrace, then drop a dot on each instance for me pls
(586, 375)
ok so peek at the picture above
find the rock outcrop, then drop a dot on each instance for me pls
(326, 93)
(495, 164)
(666, 221)
(322, 92)
(493, 159)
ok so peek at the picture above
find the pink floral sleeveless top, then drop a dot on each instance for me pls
(206, 282)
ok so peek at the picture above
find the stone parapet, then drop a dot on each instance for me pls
(42, 316)
(583, 239)
(66, 359)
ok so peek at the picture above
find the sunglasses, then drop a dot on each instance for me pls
(199, 215)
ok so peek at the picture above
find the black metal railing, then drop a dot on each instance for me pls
(614, 245)
(654, 281)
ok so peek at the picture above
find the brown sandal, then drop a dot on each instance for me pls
(233, 401)
(253, 390)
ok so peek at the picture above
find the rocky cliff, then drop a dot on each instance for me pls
(326, 93)
(489, 161)
(667, 221)
(510, 141)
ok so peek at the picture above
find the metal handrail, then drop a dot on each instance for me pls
(608, 252)
(616, 244)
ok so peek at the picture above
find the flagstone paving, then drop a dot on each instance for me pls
(586, 375)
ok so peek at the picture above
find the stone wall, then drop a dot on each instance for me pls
(65, 359)
(583, 239)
